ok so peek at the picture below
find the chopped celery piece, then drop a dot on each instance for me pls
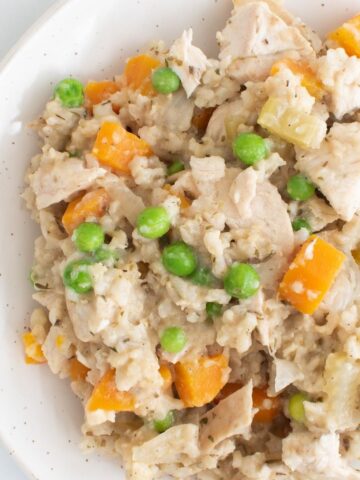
(294, 126)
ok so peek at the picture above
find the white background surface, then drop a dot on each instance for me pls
(16, 17)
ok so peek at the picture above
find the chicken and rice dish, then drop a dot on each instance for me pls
(197, 269)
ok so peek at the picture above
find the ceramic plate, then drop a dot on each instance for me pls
(39, 416)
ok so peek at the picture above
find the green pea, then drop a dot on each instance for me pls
(88, 237)
(164, 424)
(173, 339)
(300, 223)
(300, 188)
(77, 277)
(175, 167)
(75, 154)
(296, 407)
(203, 277)
(35, 283)
(213, 309)
(106, 255)
(153, 222)
(241, 281)
(179, 259)
(250, 148)
(165, 80)
(70, 92)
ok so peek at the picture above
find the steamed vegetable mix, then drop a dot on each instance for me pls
(138, 71)
(303, 70)
(173, 339)
(70, 92)
(106, 254)
(294, 126)
(241, 281)
(347, 36)
(300, 188)
(165, 81)
(184, 201)
(78, 370)
(203, 277)
(296, 406)
(153, 222)
(300, 223)
(199, 381)
(33, 351)
(166, 374)
(311, 274)
(176, 167)
(213, 309)
(179, 259)
(268, 407)
(115, 147)
(165, 423)
(201, 118)
(91, 204)
(99, 92)
(249, 148)
(88, 237)
(106, 396)
(77, 276)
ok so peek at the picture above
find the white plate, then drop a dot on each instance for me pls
(39, 417)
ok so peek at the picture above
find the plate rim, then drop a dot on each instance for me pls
(30, 32)
(5, 63)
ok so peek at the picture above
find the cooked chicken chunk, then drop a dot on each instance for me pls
(341, 76)
(187, 61)
(255, 37)
(335, 168)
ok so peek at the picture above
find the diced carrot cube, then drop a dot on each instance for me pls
(98, 92)
(138, 71)
(165, 372)
(91, 204)
(356, 255)
(268, 407)
(348, 36)
(184, 201)
(228, 390)
(311, 274)
(77, 370)
(106, 396)
(199, 381)
(201, 118)
(33, 350)
(305, 72)
(115, 147)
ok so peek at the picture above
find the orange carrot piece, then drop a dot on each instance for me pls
(91, 204)
(268, 407)
(106, 396)
(347, 36)
(77, 370)
(165, 372)
(311, 274)
(184, 201)
(115, 147)
(305, 72)
(33, 350)
(201, 118)
(199, 381)
(356, 254)
(138, 72)
(98, 92)
(228, 390)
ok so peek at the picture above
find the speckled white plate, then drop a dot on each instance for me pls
(39, 417)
